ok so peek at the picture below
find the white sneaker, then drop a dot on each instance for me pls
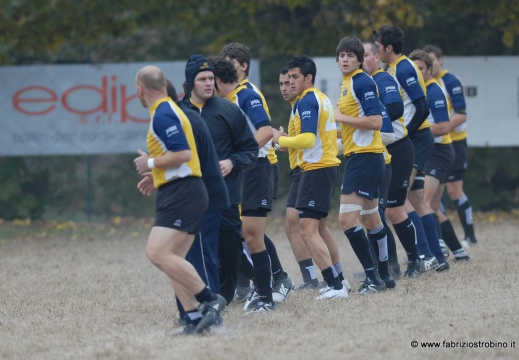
(346, 284)
(331, 293)
(281, 289)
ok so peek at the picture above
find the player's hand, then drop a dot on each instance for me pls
(146, 186)
(141, 162)
(277, 134)
(226, 167)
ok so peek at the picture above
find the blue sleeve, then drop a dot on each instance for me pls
(387, 127)
(408, 79)
(455, 90)
(308, 110)
(169, 129)
(387, 89)
(251, 104)
(366, 91)
(437, 104)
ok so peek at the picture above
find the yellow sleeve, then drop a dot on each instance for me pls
(302, 141)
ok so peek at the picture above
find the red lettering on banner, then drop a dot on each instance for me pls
(18, 100)
(124, 113)
(112, 96)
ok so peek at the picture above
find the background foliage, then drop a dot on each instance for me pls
(66, 31)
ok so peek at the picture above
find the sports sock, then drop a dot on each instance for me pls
(262, 275)
(331, 278)
(206, 295)
(449, 236)
(429, 225)
(277, 269)
(391, 245)
(378, 238)
(338, 270)
(308, 271)
(359, 243)
(465, 214)
(422, 243)
(407, 235)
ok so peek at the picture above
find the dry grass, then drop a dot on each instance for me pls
(72, 291)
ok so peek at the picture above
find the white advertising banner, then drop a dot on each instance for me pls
(491, 87)
(77, 109)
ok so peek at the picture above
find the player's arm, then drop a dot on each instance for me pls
(421, 113)
(458, 118)
(439, 111)
(390, 97)
(455, 90)
(371, 122)
(244, 143)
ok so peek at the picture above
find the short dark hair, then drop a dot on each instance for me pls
(223, 69)
(351, 44)
(283, 71)
(422, 55)
(238, 52)
(390, 35)
(305, 64)
(172, 92)
(433, 49)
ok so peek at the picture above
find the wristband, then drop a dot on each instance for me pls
(151, 163)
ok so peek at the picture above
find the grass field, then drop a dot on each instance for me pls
(87, 291)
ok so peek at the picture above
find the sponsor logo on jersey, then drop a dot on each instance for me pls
(255, 103)
(410, 81)
(306, 113)
(456, 90)
(344, 92)
(172, 130)
(369, 95)
(439, 103)
(390, 88)
(363, 193)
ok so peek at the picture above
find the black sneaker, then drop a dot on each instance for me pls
(465, 257)
(430, 263)
(389, 281)
(414, 269)
(443, 267)
(210, 313)
(261, 306)
(369, 287)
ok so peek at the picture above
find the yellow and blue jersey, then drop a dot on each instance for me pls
(359, 98)
(273, 159)
(451, 84)
(314, 114)
(293, 154)
(411, 86)
(250, 103)
(439, 108)
(170, 130)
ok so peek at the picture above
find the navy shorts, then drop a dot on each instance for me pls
(402, 155)
(384, 186)
(275, 178)
(423, 143)
(295, 177)
(440, 162)
(257, 186)
(363, 175)
(460, 160)
(181, 204)
(316, 188)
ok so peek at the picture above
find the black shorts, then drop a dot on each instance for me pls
(402, 155)
(275, 179)
(295, 177)
(384, 186)
(181, 204)
(363, 175)
(460, 164)
(440, 162)
(423, 143)
(316, 188)
(257, 186)
(419, 181)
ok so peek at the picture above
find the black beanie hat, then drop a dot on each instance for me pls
(196, 64)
